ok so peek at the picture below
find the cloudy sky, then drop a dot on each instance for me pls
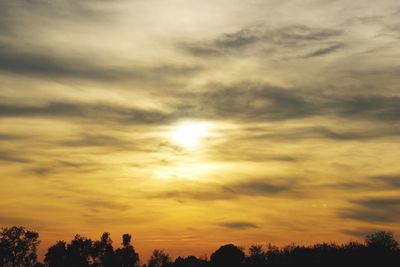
(192, 124)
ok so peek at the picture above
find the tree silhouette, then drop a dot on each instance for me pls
(228, 255)
(257, 256)
(56, 255)
(382, 240)
(103, 252)
(127, 256)
(159, 259)
(80, 252)
(190, 261)
(18, 247)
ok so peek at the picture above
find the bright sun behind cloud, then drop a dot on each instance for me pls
(189, 135)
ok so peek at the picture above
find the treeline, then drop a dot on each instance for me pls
(18, 248)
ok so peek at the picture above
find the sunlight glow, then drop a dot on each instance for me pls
(189, 135)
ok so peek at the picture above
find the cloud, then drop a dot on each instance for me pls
(324, 51)
(249, 101)
(12, 157)
(96, 140)
(260, 36)
(360, 232)
(100, 113)
(253, 187)
(393, 181)
(302, 133)
(238, 225)
(98, 204)
(374, 210)
(38, 63)
(6, 220)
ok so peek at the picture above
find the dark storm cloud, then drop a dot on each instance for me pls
(373, 210)
(238, 225)
(257, 187)
(38, 63)
(291, 36)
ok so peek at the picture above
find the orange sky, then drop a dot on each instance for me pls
(191, 124)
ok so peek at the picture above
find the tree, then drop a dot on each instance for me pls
(103, 252)
(80, 252)
(56, 255)
(190, 261)
(159, 259)
(228, 256)
(18, 247)
(127, 256)
(257, 256)
(382, 241)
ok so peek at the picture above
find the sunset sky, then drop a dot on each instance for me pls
(192, 124)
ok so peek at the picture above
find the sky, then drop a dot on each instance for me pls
(193, 124)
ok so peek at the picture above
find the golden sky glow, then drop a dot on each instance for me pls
(191, 124)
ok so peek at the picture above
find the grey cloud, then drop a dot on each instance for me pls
(97, 113)
(373, 106)
(38, 63)
(324, 51)
(374, 210)
(249, 101)
(98, 204)
(238, 225)
(6, 220)
(10, 137)
(239, 102)
(90, 140)
(291, 36)
(12, 157)
(18, 13)
(301, 133)
(256, 187)
(393, 181)
(359, 232)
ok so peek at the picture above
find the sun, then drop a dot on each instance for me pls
(189, 135)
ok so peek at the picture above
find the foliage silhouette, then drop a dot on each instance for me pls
(159, 259)
(18, 249)
(228, 255)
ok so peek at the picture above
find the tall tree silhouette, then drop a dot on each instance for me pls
(18, 247)
(103, 252)
(127, 256)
